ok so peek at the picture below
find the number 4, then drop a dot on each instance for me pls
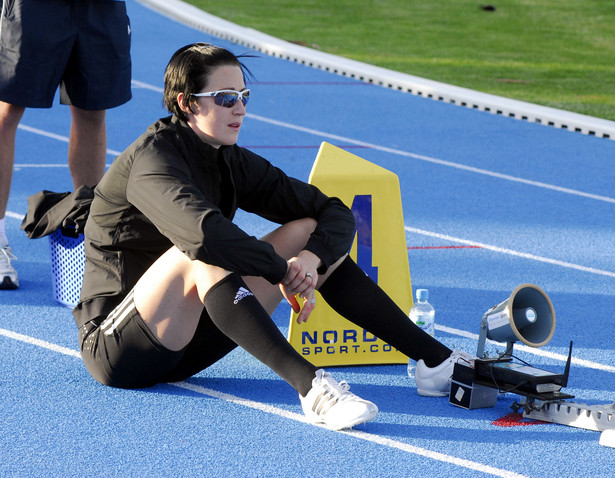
(362, 211)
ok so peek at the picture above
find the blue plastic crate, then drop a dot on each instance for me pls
(67, 263)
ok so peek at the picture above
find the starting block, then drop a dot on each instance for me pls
(599, 418)
(379, 248)
(580, 415)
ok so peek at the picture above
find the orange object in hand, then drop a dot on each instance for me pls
(294, 304)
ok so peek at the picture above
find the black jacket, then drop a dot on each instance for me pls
(49, 211)
(170, 188)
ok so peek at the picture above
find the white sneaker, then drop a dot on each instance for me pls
(331, 403)
(8, 274)
(436, 381)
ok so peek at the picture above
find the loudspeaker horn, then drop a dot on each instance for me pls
(527, 315)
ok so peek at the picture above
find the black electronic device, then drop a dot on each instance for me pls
(527, 315)
(509, 375)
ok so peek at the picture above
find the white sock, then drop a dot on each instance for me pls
(3, 239)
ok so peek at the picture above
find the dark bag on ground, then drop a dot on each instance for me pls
(49, 211)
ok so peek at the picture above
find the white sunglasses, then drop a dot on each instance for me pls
(227, 98)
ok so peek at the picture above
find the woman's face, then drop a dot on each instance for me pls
(214, 124)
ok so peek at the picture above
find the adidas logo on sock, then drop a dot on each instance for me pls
(241, 293)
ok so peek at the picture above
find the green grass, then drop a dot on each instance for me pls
(558, 53)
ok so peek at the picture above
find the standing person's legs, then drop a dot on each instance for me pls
(35, 43)
(10, 116)
(97, 78)
(87, 147)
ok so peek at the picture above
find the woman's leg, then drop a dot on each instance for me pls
(167, 296)
(171, 295)
(353, 295)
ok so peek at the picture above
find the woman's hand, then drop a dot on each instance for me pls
(301, 279)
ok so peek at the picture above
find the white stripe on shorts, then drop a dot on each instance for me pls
(117, 315)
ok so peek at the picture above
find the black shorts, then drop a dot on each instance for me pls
(120, 351)
(83, 46)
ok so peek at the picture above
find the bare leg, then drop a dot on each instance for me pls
(170, 295)
(10, 116)
(167, 297)
(87, 149)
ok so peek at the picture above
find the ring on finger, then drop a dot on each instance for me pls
(307, 274)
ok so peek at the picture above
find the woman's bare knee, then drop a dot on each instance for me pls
(167, 300)
(205, 276)
(170, 294)
(288, 240)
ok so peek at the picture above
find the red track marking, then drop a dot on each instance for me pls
(316, 146)
(445, 247)
(342, 83)
(516, 420)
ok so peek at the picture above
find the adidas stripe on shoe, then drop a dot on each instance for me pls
(330, 403)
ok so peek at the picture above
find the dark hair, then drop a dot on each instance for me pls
(189, 70)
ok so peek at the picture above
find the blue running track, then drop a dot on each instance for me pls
(489, 203)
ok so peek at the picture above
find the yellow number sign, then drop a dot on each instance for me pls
(379, 248)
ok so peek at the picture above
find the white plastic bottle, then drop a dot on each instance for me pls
(423, 315)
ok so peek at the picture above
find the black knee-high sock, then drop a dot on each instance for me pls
(241, 317)
(356, 297)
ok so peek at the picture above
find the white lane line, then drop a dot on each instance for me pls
(40, 343)
(511, 252)
(434, 455)
(429, 159)
(147, 86)
(58, 137)
(14, 215)
(531, 350)
(420, 157)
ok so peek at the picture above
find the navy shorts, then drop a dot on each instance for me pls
(82, 46)
(121, 351)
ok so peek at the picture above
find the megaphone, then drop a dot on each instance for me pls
(527, 315)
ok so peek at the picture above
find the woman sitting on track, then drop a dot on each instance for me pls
(172, 285)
